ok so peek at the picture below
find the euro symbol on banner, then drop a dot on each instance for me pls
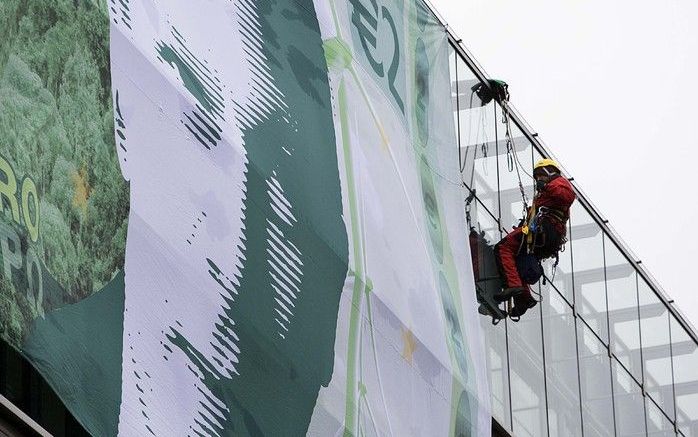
(366, 23)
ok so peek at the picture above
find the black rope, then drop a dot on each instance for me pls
(468, 202)
(512, 158)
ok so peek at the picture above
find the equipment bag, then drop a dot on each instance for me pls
(495, 89)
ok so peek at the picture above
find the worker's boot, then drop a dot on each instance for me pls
(505, 294)
(522, 303)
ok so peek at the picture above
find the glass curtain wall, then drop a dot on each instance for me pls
(601, 354)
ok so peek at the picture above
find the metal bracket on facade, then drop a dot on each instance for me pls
(14, 421)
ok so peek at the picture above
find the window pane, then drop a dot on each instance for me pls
(564, 413)
(495, 342)
(656, 350)
(657, 423)
(588, 265)
(623, 314)
(595, 375)
(629, 403)
(486, 235)
(527, 385)
(478, 148)
(518, 158)
(685, 358)
(562, 274)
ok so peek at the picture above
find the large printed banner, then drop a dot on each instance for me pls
(238, 217)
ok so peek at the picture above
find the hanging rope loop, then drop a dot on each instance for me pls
(512, 158)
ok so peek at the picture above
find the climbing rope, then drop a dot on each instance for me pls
(494, 89)
(481, 127)
(512, 158)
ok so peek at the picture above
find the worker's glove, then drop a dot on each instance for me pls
(540, 185)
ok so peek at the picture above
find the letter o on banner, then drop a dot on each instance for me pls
(29, 192)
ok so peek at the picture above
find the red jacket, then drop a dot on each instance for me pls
(557, 195)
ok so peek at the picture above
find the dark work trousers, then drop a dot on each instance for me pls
(548, 242)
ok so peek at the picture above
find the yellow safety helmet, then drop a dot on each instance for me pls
(546, 163)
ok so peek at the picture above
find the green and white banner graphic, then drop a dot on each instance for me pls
(238, 217)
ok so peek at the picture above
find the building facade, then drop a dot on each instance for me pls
(604, 352)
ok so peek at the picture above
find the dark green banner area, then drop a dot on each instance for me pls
(85, 372)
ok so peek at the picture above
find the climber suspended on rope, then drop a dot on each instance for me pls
(539, 236)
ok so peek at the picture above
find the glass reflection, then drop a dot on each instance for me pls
(623, 312)
(618, 309)
(588, 263)
(658, 425)
(685, 360)
(526, 366)
(595, 376)
(628, 403)
(564, 412)
(656, 348)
